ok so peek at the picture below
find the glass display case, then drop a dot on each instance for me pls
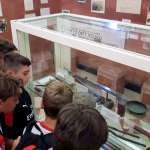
(87, 52)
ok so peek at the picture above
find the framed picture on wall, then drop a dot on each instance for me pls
(3, 25)
(148, 17)
(1, 12)
(98, 6)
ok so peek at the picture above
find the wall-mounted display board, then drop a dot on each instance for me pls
(129, 6)
(1, 12)
(28, 5)
(148, 17)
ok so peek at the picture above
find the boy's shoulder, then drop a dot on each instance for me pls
(38, 128)
(25, 97)
(24, 110)
(34, 135)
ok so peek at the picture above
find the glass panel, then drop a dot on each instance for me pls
(42, 57)
(109, 82)
(107, 32)
(122, 80)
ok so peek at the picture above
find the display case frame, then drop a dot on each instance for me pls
(122, 56)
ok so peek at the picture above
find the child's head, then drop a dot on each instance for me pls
(56, 95)
(80, 127)
(17, 66)
(9, 93)
(5, 47)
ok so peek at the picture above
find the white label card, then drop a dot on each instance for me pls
(30, 15)
(44, 1)
(28, 5)
(45, 11)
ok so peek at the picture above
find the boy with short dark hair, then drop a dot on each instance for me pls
(39, 135)
(79, 127)
(17, 66)
(5, 47)
(9, 98)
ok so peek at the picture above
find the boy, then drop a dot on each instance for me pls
(9, 96)
(17, 66)
(79, 127)
(5, 47)
(39, 135)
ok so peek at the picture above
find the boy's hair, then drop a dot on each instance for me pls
(8, 87)
(15, 61)
(55, 96)
(79, 127)
(6, 46)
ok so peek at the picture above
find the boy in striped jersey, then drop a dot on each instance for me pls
(39, 134)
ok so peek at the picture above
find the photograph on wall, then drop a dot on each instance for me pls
(129, 6)
(148, 17)
(98, 6)
(28, 5)
(1, 12)
(81, 1)
(3, 25)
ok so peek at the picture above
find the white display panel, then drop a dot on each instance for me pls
(44, 1)
(28, 5)
(129, 6)
(94, 33)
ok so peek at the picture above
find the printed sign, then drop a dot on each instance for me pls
(91, 32)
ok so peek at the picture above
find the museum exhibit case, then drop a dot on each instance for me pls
(95, 57)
